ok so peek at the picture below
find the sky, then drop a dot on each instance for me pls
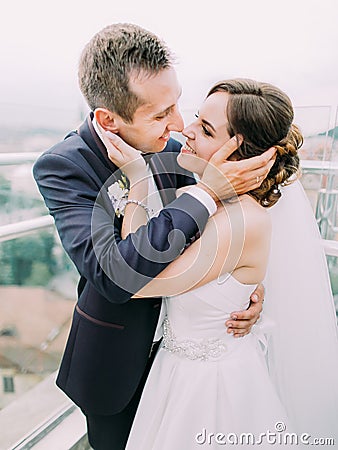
(290, 43)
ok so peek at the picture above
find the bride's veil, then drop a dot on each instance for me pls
(303, 346)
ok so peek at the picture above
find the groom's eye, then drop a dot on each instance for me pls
(162, 116)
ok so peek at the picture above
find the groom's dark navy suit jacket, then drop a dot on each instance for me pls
(111, 334)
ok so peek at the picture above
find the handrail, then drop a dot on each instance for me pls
(19, 229)
(10, 159)
(313, 165)
(53, 418)
(41, 431)
(330, 247)
(28, 157)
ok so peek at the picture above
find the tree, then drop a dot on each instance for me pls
(28, 259)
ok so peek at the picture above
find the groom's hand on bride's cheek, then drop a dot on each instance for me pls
(224, 178)
(241, 322)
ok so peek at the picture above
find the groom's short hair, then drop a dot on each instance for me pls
(111, 57)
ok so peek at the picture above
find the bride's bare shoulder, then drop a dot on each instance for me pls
(249, 208)
(257, 226)
(245, 214)
(254, 212)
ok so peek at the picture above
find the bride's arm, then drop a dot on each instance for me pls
(218, 251)
(130, 161)
(199, 262)
(136, 211)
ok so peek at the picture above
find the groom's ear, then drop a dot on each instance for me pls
(107, 119)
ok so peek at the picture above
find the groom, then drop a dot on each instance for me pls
(126, 75)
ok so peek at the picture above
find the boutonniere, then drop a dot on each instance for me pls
(118, 194)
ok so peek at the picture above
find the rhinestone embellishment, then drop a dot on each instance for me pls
(203, 350)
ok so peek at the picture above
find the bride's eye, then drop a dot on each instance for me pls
(206, 131)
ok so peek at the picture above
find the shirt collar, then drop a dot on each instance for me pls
(98, 131)
(147, 156)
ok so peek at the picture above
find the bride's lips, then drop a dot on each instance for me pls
(187, 149)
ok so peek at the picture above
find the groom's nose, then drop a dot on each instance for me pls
(176, 121)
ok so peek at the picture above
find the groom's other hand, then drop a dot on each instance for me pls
(224, 179)
(241, 322)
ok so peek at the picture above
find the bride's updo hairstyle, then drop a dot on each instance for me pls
(263, 115)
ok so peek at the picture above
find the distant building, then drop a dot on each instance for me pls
(34, 325)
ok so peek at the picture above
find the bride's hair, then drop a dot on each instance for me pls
(263, 115)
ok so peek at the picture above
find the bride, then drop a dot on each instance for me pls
(278, 384)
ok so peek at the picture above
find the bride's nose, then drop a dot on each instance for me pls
(188, 132)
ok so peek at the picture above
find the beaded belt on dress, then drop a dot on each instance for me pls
(204, 349)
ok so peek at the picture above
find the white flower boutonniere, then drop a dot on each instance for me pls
(118, 194)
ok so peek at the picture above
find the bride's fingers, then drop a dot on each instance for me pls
(122, 146)
(114, 154)
(116, 140)
(116, 143)
(110, 141)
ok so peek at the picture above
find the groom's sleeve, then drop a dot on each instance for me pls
(91, 235)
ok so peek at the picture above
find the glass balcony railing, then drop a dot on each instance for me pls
(36, 305)
(37, 296)
(38, 288)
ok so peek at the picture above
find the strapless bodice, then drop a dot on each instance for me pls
(201, 312)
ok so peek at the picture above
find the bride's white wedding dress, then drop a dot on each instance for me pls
(204, 380)
(206, 388)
